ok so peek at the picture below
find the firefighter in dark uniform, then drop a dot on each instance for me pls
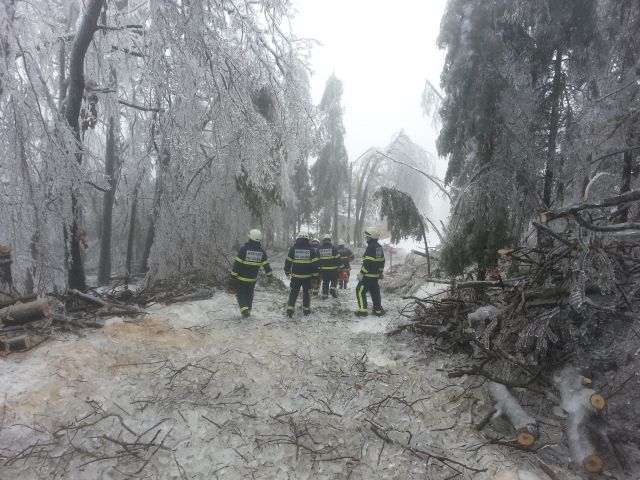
(328, 263)
(301, 265)
(346, 256)
(315, 281)
(245, 270)
(370, 273)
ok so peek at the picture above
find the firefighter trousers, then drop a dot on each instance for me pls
(296, 285)
(368, 285)
(329, 282)
(245, 296)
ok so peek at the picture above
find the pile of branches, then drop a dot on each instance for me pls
(28, 321)
(534, 330)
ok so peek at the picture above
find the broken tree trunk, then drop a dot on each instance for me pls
(506, 405)
(25, 312)
(581, 404)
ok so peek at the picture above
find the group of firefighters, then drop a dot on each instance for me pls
(312, 266)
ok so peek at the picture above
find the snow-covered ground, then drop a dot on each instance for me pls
(194, 391)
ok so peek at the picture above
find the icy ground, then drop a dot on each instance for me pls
(195, 392)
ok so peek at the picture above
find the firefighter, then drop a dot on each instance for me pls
(315, 281)
(245, 270)
(301, 266)
(328, 263)
(346, 256)
(370, 273)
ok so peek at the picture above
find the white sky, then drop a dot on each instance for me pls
(383, 51)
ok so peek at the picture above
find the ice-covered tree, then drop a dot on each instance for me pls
(330, 170)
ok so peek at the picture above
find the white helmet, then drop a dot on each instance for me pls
(326, 236)
(302, 234)
(340, 242)
(372, 232)
(255, 235)
(315, 240)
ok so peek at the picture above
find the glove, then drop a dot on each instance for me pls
(381, 276)
(360, 276)
(288, 275)
(232, 286)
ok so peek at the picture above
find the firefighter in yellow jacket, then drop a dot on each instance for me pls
(370, 273)
(245, 270)
(301, 266)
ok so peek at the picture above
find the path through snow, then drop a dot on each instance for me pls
(194, 391)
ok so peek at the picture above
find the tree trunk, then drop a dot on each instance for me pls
(5, 46)
(25, 312)
(554, 121)
(111, 166)
(349, 204)
(132, 228)
(104, 265)
(164, 159)
(505, 404)
(334, 236)
(5, 265)
(623, 212)
(16, 344)
(82, 40)
(581, 404)
(426, 248)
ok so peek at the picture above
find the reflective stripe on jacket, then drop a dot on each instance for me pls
(373, 261)
(302, 260)
(247, 263)
(328, 257)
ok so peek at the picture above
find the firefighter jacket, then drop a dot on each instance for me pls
(329, 258)
(302, 260)
(346, 256)
(373, 262)
(248, 262)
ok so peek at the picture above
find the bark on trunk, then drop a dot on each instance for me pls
(505, 404)
(132, 233)
(164, 158)
(25, 312)
(16, 344)
(581, 404)
(348, 239)
(623, 213)
(82, 40)
(5, 265)
(334, 236)
(110, 169)
(554, 121)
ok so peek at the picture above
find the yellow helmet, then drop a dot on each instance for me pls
(341, 242)
(255, 235)
(302, 234)
(326, 236)
(372, 232)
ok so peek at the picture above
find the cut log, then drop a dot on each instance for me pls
(25, 312)
(506, 405)
(16, 343)
(581, 404)
(11, 301)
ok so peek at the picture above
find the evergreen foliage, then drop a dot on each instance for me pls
(330, 171)
(403, 218)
